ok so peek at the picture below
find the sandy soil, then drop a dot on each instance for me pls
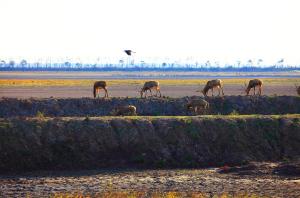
(131, 91)
(209, 182)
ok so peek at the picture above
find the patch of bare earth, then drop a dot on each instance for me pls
(259, 181)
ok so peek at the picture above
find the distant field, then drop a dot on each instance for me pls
(128, 84)
(112, 82)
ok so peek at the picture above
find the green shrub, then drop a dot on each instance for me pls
(40, 115)
(234, 113)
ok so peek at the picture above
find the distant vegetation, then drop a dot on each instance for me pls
(250, 66)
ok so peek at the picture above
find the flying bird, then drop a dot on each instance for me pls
(129, 52)
(281, 61)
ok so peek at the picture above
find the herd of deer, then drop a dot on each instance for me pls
(195, 105)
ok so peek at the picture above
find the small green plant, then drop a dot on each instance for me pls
(87, 119)
(161, 163)
(234, 113)
(40, 115)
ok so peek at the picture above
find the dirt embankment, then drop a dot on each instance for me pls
(64, 143)
(151, 107)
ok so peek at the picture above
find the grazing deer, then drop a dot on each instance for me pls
(197, 104)
(211, 84)
(127, 110)
(149, 86)
(252, 84)
(98, 85)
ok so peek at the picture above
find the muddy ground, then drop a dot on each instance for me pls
(132, 91)
(257, 180)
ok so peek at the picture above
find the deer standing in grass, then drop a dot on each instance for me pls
(98, 85)
(211, 84)
(150, 85)
(127, 110)
(197, 105)
(253, 84)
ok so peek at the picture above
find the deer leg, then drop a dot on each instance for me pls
(159, 93)
(254, 90)
(212, 91)
(219, 90)
(200, 110)
(150, 92)
(259, 90)
(106, 93)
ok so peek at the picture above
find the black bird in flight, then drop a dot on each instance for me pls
(129, 52)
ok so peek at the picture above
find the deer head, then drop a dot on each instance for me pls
(201, 90)
(246, 88)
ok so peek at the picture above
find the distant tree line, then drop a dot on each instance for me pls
(23, 65)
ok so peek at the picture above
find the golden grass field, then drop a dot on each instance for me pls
(83, 82)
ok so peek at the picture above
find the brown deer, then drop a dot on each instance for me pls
(98, 85)
(211, 84)
(149, 86)
(253, 84)
(197, 104)
(127, 110)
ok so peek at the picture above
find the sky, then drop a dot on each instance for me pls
(216, 30)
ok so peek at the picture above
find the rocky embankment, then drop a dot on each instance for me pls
(75, 143)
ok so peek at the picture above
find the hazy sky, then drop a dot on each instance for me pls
(224, 30)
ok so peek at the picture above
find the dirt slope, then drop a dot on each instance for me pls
(63, 143)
